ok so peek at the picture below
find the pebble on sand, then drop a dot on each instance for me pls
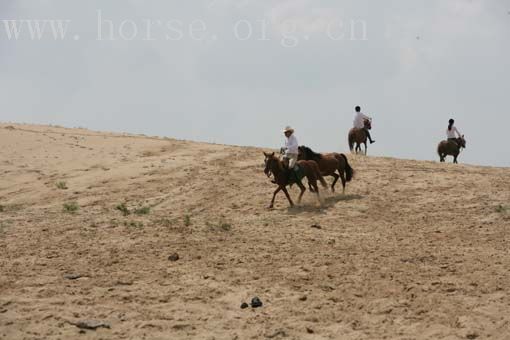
(174, 257)
(90, 324)
(72, 276)
(255, 302)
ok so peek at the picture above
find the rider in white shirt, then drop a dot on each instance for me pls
(359, 123)
(291, 147)
(452, 133)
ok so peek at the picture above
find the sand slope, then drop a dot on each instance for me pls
(414, 250)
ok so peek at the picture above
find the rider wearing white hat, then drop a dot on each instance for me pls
(291, 147)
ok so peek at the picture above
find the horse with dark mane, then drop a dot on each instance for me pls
(451, 147)
(359, 136)
(284, 177)
(329, 164)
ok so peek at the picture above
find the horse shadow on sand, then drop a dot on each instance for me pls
(328, 203)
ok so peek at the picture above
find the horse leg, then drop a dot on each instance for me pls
(342, 176)
(274, 195)
(288, 196)
(316, 187)
(366, 147)
(310, 187)
(303, 189)
(455, 159)
(335, 176)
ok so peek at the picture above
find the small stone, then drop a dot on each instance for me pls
(309, 330)
(72, 276)
(174, 257)
(124, 283)
(303, 298)
(244, 305)
(91, 324)
(315, 226)
(472, 335)
(256, 303)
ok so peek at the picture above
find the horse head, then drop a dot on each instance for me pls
(306, 153)
(368, 124)
(462, 142)
(268, 160)
(302, 153)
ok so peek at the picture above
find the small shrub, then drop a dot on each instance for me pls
(133, 224)
(122, 208)
(502, 209)
(71, 207)
(2, 209)
(164, 222)
(3, 226)
(226, 226)
(143, 211)
(187, 220)
(221, 226)
(61, 185)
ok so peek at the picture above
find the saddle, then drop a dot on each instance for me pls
(454, 141)
(296, 174)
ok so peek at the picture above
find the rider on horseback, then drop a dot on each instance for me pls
(290, 151)
(452, 130)
(359, 123)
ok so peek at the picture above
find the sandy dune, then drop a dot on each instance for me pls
(413, 250)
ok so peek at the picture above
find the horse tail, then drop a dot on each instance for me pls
(351, 141)
(349, 171)
(439, 147)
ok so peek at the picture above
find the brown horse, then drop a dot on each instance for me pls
(359, 136)
(283, 177)
(451, 148)
(329, 164)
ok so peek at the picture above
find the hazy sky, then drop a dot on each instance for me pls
(238, 71)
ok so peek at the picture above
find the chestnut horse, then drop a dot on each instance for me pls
(329, 164)
(359, 136)
(451, 148)
(283, 177)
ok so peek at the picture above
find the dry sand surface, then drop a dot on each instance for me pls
(413, 250)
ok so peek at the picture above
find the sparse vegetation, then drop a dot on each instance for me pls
(221, 226)
(3, 226)
(122, 208)
(10, 208)
(71, 207)
(187, 220)
(164, 222)
(225, 226)
(502, 209)
(148, 153)
(143, 210)
(61, 185)
(133, 224)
